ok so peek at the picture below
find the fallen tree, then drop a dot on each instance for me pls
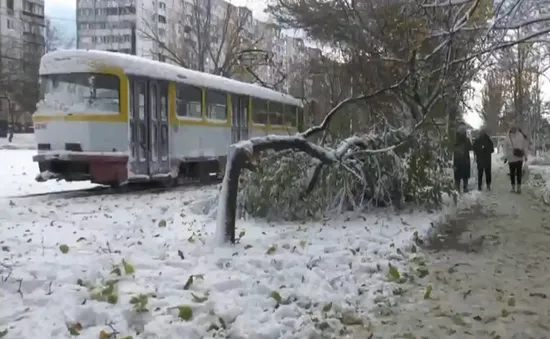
(417, 59)
(244, 155)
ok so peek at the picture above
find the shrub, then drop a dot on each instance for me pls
(413, 174)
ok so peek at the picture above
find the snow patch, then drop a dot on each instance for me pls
(341, 261)
(21, 141)
(19, 176)
(46, 175)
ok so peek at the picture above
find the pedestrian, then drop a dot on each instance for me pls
(516, 147)
(461, 159)
(483, 149)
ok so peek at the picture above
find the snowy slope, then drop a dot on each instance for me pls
(280, 281)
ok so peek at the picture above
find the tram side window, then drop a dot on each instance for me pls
(133, 128)
(164, 140)
(290, 115)
(188, 101)
(132, 101)
(216, 105)
(142, 127)
(275, 113)
(259, 111)
(163, 87)
(301, 119)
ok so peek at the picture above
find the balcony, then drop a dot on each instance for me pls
(33, 10)
(34, 38)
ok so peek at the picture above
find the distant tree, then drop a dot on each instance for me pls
(19, 76)
(202, 41)
(54, 38)
(493, 99)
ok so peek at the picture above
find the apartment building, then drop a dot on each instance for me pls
(200, 34)
(203, 33)
(115, 25)
(22, 25)
(22, 45)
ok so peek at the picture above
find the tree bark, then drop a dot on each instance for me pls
(235, 163)
(240, 157)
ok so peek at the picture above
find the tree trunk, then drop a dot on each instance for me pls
(240, 157)
(227, 210)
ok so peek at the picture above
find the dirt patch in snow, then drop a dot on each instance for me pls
(486, 271)
(454, 234)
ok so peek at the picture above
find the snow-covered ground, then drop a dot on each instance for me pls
(145, 266)
(20, 141)
(539, 177)
(18, 172)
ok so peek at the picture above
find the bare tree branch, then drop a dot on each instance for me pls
(203, 42)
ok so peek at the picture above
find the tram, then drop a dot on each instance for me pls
(114, 118)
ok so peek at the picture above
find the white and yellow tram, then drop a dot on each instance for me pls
(113, 118)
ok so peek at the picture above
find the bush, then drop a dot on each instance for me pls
(409, 175)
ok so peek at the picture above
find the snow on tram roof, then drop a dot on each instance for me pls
(83, 61)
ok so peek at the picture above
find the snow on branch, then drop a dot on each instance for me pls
(242, 156)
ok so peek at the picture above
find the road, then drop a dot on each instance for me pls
(489, 270)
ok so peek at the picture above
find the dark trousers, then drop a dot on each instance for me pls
(515, 172)
(461, 174)
(484, 169)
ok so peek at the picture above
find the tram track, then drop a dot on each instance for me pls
(131, 189)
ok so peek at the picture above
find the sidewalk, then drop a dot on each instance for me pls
(489, 270)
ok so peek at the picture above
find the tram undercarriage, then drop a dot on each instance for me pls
(112, 170)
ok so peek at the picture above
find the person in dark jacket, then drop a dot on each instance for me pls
(483, 150)
(461, 159)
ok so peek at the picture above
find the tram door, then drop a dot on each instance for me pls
(158, 127)
(148, 124)
(239, 118)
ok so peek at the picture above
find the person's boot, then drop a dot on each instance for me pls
(513, 189)
(465, 186)
(489, 187)
(518, 190)
(457, 185)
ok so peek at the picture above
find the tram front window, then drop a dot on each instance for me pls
(79, 93)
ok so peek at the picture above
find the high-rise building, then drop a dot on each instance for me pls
(206, 35)
(22, 44)
(123, 25)
(22, 25)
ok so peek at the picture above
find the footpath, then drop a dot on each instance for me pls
(484, 274)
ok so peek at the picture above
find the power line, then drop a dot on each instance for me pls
(60, 18)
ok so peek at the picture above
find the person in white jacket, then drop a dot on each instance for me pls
(516, 147)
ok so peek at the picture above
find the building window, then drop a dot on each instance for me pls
(188, 101)
(216, 105)
(259, 111)
(10, 24)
